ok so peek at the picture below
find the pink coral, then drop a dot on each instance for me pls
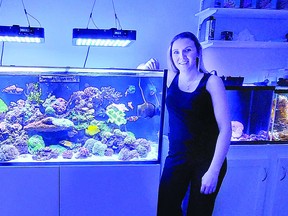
(109, 152)
(82, 153)
(59, 105)
(126, 155)
(8, 152)
(68, 154)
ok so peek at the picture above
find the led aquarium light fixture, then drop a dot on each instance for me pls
(103, 37)
(16, 33)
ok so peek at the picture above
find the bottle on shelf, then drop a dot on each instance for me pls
(210, 28)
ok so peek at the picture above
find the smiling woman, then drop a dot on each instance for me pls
(199, 131)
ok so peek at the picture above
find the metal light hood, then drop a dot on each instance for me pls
(16, 33)
(103, 37)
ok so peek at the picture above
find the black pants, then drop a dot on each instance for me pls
(174, 183)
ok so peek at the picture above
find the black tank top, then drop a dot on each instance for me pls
(193, 127)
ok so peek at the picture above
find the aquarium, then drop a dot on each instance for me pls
(279, 116)
(250, 108)
(65, 115)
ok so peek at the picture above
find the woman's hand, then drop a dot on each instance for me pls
(209, 182)
(152, 64)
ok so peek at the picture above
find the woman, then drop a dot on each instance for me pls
(199, 131)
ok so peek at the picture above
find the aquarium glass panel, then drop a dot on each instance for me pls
(63, 115)
(250, 108)
(279, 114)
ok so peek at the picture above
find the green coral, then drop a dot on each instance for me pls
(116, 116)
(50, 111)
(35, 93)
(35, 143)
(3, 106)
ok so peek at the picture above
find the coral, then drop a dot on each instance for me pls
(116, 116)
(126, 155)
(8, 152)
(237, 129)
(110, 94)
(21, 144)
(120, 107)
(99, 148)
(33, 93)
(3, 106)
(58, 104)
(49, 111)
(118, 132)
(68, 154)
(143, 152)
(109, 152)
(82, 153)
(115, 142)
(129, 140)
(13, 89)
(35, 143)
(106, 134)
(46, 153)
(143, 142)
(60, 149)
(50, 124)
(89, 143)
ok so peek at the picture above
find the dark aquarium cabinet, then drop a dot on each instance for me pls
(250, 108)
(80, 115)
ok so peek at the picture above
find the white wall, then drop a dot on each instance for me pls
(156, 22)
(253, 64)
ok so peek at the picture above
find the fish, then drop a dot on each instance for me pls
(92, 130)
(130, 90)
(66, 143)
(147, 110)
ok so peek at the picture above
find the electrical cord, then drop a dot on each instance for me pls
(27, 14)
(117, 21)
(87, 54)
(91, 17)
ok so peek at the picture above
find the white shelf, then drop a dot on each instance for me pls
(243, 13)
(244, 44)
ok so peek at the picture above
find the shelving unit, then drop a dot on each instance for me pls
(244, 44)
(241, 13)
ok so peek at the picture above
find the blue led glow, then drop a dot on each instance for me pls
(102, 42)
